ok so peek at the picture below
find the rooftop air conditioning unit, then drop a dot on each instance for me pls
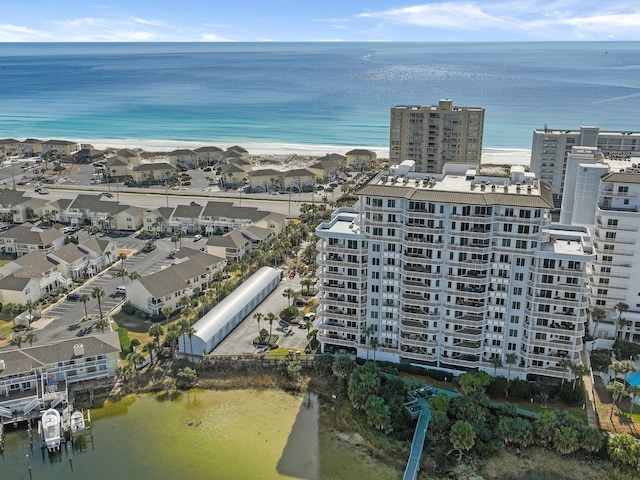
(78, 350)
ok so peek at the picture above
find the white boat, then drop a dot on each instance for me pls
(51, 429)
(77, 421)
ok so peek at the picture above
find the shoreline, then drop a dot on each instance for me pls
(490, 155)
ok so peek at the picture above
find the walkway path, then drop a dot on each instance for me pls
(413, 465)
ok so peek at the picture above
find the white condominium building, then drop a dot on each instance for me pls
(616, 272)
(458, 271)
(432, 135)
(550, 150)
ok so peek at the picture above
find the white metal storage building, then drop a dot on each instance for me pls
(214, 327)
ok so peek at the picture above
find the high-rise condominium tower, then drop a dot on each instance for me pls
(432, 135)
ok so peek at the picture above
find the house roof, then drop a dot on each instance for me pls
(127, 153)
(117, 161)
(9, 141)
(61, 204)
(34, 265)
(69, 253)
(16, 362)
(13, 283)
(60, 142)
(240, 161)
(257, 233)
(95, 245)
(188, 269)
(210, 149)
(266, 172)
(231, 168)
(298, 172)
(237, 148)
(27, 233)
(361, 151)
(51, 353)
(205, 259)
(12, 197)
(149, 167)
(164, 282)
(95, 204)
(234, 239)
(183, 151)
(187, 211)
(32, 140)
(622, 177)
(227, 210)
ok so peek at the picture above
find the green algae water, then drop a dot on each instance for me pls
(240, 434)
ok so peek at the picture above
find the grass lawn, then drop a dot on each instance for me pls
(137, 327)
(280, 351)
(6, 326)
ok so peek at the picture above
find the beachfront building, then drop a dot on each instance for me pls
(214, 327)
(615, 278)
(360, 158)
(329, 167)
(454, 271)
(183, 157)
(31, 147)
(37, 377)
(550, 150)
(59, 148)
(152, 173)
(10, 147)
(432, 135)
(208, 155)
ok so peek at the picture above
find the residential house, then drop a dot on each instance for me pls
(274, 222)
(118, 167)
(328, 168)
(59, 148)
(232, 246)
(129, 219)
(165, 288)
(148, 173)
(10, 147)
(58, 212)
(101, 253)
(16, 207)
(208, 155)
(186, 217)
(29, 278)
(299, 179)
(232, 176)
(265, 180)
(157, 220)
(359, 158)
(257, 235)
(26, 238)
(184, 157)
(37, 377)
(32, 147)
(131, 157)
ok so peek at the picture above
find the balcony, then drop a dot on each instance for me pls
(466, 361)
(468, 334)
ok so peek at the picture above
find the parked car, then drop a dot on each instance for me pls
(121, 290)
(43, 191)
(197, 237)
(73, 297)
(300, 302)
(194, 204)
(309, 317)
(206, 169)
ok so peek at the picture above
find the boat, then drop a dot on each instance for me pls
(51, 429)
(77, 421)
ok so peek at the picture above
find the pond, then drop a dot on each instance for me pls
(238, 434)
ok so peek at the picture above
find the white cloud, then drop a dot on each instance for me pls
(20, 33)
(559, 20)
(210, 37)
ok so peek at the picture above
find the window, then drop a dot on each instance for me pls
(519, 277)
(520, 262)
(374, 302)
(513, 332)
(391, 203)
(375, 247)
(515, 319)
(375, 288)
(517, 290)
(376, 202)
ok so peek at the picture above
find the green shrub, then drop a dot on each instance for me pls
(600, 359)
(125, 341)
(626, 349)
(128, 309)
(142, 315)
(289, 313)
(571, 396)
(498, 386)
(135, 342)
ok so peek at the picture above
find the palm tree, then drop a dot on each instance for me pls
(621, 307)
(102, 324)
(30, 306)
(166, 312)
(31, 337)
(289, 292)
(618, 391)
(175, 238)
(634, 392)
(374, 345)
(187, 329)
(597, 315)
(84, 298)
(497, 363)
(133, 275)
(98, 293)
(108, 254)
(511, 359)
(17, 340)
(122, 272)
(271, 318)
(134, 359)
(172, 337)
(564, 364)
(258, 317)
(578, 371)
(156, 332)
(150, 347)
(122, 257)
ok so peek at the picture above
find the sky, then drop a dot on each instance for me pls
(317, 20)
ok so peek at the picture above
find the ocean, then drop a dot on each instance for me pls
(307, 96)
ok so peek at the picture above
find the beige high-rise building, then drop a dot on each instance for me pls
(432, 135)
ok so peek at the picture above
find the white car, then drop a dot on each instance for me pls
(197, 237)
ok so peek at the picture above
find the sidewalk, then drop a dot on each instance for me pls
(590, 404)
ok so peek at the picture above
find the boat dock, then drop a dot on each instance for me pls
(72, 425)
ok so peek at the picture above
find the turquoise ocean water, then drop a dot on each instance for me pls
(309, 93)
